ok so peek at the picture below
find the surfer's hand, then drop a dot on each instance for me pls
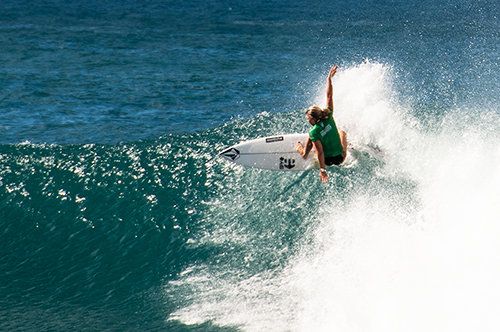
(332, 71)
(323, 176)
(300, 149)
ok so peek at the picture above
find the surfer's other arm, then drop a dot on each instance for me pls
(321, 159)
(304, 150)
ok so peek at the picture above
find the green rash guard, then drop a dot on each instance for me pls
(326, 132)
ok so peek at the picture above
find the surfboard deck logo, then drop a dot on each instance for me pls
(231, 154)
(287, 163)
(274, 139)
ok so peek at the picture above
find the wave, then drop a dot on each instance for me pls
(405, 244)
(164, 233)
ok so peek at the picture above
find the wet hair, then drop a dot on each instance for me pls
(318, 113)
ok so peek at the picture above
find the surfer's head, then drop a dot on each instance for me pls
(315, 114)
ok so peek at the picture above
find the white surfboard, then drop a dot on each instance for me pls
(273, 153)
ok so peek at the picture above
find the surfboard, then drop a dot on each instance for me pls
(278, 153)
(272, 153)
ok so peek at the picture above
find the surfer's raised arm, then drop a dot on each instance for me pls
(329, 87)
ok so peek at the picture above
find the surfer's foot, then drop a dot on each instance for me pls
(300, 149)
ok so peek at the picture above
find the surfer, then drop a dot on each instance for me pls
(329, 142)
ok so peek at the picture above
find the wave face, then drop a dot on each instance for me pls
(163, 234)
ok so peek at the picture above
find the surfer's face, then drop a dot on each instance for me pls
(310, 119)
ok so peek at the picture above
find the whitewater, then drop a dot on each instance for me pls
(406, 245)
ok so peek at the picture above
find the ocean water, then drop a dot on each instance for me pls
(117, 215)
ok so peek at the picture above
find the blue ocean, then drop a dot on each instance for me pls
(116, 213)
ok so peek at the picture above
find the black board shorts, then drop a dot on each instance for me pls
(337, 160)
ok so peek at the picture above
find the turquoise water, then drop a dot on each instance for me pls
(117, 215)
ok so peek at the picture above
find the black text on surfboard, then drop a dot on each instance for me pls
(287, 163)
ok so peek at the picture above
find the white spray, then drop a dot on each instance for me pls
(379, 262)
